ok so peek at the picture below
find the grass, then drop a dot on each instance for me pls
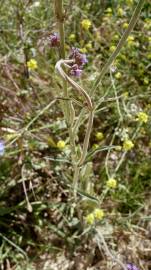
(42, 224)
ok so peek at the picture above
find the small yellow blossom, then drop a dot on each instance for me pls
(125, 25)
(120, 12)
(128, 145)
(116, 37)
(90, 219)
(149, 39)
(99, 136)
(111, 183)
(95, 146)
(89, 45)
(148, 56)
(98, 214)
(147, 24)
(142, 117)
(61, 144)
(130, 40)
(126, 94)
(32, 64)
(72, 37)
(83, 50)
(112, 48)
(109, 10)
(118, 75)
(118, 148)
(146, 80)
(86, 23)
(129, 2)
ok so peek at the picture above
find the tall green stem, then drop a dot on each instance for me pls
(120, 45)
(67, 107)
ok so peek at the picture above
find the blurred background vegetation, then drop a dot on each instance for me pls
(38, 218)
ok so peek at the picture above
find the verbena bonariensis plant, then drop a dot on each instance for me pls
(73, 66)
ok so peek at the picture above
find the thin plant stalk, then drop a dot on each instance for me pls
(67, 106)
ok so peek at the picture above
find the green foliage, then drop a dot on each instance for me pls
(38, 212)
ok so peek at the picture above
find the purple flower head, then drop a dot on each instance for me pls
(75, 71)
(74, 52)
(131, 266)
(2, 148)
(54, 40)
(80, 59)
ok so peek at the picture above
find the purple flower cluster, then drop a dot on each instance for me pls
(54, 40)
(131, 266)
(80, 60)
(75, 71)
(2, 148)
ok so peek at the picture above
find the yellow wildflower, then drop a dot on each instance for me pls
(72, 37)
(118, 75)
(118, 148)
(120, 12)
(128, 145)
(86, 23)
(99, 136)
(83, 50)
(108, 13)
(142, 117)
(89, 45)
(61, 144)
(129, 2)
(111, 183)
(98, 214)
(90, 219)
(32, 64)
(126, 94)
(95, 146)
(130, 40)
(146, 80)
(109, 10)
(116, 37)
(125, 25)
(112, 48)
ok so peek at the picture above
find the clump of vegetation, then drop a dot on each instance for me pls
(75, 135)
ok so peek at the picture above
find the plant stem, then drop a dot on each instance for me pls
(119, 45)
(67, 106)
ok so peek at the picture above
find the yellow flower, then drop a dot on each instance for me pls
(86, 23)
(111, 183)
(148, 56)
(72, 37)
(128, 145)
(32, 64)
(99, 136)
(142, 117)
(118, 148)
(130, 40)
(120, 12)
(116, 37)
(149, 39)
(98, 214)
(126, 94)
(125, 25)
(95, 146)
(146, 81)
(61, 144)
(89, 45)
(112, 48)
(83, 50)
(129, 2)
(118, 75)
(109, 10)
(90, 219)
